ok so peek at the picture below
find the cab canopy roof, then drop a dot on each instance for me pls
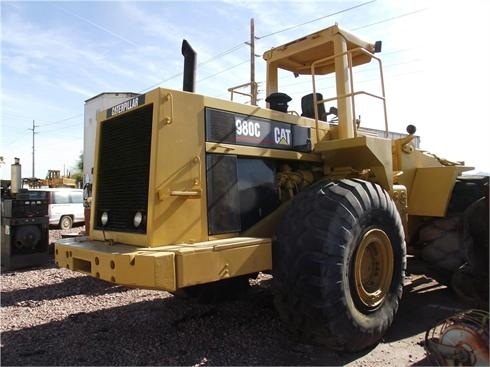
(297, 56)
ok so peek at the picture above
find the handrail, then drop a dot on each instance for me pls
(382, 97)
(251, 95)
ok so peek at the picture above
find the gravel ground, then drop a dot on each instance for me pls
(53, 316)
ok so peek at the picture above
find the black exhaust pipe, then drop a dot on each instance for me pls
(189, 66)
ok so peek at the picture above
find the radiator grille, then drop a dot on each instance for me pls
(123, 170)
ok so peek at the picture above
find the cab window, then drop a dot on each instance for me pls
(61, 198)
(77, 198)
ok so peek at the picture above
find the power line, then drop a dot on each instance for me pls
(233, 49)
(16, 116)
(62, 120)
(240, 45)
(160, 82)
(224, 53)
(43, 123)
(365, 26)
(223, 71)
(317, 19)
(390, 19)
(276, 32)
(64, 127)
(314, 20)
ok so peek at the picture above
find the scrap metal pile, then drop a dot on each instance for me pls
(459, 340)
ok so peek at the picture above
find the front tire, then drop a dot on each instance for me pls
(66, 222)
(339, 263)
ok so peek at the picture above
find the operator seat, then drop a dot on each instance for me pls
(308, 107)
(278, 101)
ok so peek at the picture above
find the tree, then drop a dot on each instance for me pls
(77, 172)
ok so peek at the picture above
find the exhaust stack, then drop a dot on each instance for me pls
(16, 176)
(189, 66)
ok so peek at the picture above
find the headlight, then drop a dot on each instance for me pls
(138, 218)
(104, 218)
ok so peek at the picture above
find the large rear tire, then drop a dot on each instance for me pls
(339, 263)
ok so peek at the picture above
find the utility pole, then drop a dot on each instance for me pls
(253, 85)
(33, 146)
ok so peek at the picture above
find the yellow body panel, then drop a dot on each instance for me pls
(431, 190)
(178, 170)
(262, 153)
(360, 152)
(429, 179)
(177, 183)
(121, 264)
(167, 267)
(223, 259)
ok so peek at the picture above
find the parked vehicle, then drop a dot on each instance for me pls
(65, 207)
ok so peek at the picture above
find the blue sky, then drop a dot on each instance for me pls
(56, 55)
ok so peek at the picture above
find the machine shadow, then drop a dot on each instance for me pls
(163, 331)
(174, 331)
(424, 303)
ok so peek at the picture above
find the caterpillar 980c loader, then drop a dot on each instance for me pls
(193, 195)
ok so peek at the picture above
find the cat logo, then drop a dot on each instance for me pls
(282, 136)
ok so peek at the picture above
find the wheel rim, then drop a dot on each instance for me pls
(373, 268)
(66, 223)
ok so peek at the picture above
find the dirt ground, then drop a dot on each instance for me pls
(164, 330)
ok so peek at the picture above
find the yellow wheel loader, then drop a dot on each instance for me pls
(194, 195)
